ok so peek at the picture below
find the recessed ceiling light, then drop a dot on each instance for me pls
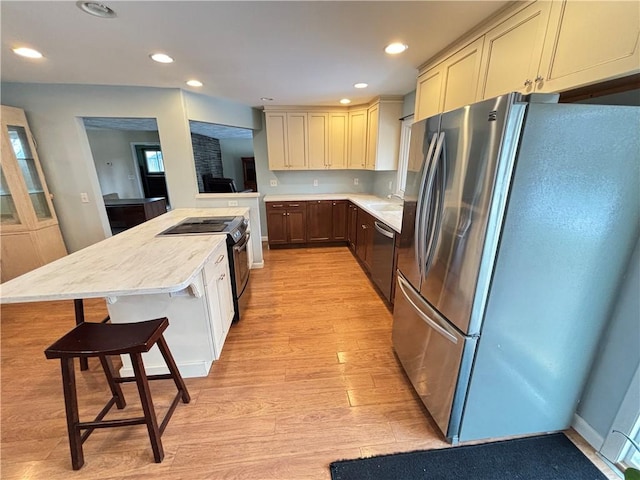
(266, 99)
(194, 83)
(361, 85)
(395, 48)
(96, 9)
(161, 58)
(344, 101)
(27, 52)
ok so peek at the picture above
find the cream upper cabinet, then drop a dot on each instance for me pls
(276, 126)
(512, 50)
(318, 151)
(450, 84)
(357, 139)
(297, 140)
(383, 134)
(538, 46)
(429, 93)
(589, 42)
(461, 74)
(338, 139)
(286, 140)
(30, 235)
(360, 137)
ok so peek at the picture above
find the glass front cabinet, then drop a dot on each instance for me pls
(29, 231)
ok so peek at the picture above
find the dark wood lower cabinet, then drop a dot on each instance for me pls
(364, 238)
(339, 212)
(306, 223)
(286, 223)
(319, 221)
(352, 225)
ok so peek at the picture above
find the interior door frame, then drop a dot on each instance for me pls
(136, 164)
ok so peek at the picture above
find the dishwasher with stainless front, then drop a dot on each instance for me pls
(382, 258)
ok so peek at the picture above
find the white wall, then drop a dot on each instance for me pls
(54, 113)
(114, 160)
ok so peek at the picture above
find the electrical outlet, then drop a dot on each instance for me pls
(84, 198)
(233, 203)
(390, 184)
(315, 182)
(273, 183)
(355, 181)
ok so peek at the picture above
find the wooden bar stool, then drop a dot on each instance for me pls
(100, 340)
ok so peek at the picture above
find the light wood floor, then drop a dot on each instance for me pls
(307, 377)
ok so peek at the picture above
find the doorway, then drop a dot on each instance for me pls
(152, 173)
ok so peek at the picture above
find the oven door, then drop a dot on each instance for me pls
(241, 263)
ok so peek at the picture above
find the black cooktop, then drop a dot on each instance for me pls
(204, 225)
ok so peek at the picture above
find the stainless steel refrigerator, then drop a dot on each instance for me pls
(520, 216)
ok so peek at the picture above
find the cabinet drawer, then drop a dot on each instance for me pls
(215, 266)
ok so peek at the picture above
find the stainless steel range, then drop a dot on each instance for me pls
(235, 228)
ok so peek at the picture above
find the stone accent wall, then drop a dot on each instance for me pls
(207, 157)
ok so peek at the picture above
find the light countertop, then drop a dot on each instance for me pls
(131, 263)
(386, 210)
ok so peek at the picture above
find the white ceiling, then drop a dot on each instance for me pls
(298, 53)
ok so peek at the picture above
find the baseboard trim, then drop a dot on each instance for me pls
(587, 432)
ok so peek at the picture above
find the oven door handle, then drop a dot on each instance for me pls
(238, 247)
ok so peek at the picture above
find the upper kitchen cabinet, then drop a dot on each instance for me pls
(338, 140)
(318, 153)
(30, 235)
(450, 84)
(286, 140)
(512, 50)
(429, 93)
(383, 134)
(357, 154)
(588, 42)
(312, 138)
(539, 46)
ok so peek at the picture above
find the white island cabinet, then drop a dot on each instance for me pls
(145, 276)
(199, 318)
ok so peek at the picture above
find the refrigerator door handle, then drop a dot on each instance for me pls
(440, 179)
(434, 322)
(418, 231)
(428, 240)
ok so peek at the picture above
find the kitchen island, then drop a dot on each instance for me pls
(144, 276)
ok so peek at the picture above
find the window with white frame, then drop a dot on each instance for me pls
(403, 155)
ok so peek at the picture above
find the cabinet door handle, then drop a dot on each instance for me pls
(220, 258)
(288, 214)
(527, 83)
(284, 214)
(539, 79)
(294, 204)
(276, 206)
(221, 277)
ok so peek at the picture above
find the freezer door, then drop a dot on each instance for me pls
(466, 181)
(412, 239)
(431, 352)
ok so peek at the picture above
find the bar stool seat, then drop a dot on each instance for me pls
(101, 340)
